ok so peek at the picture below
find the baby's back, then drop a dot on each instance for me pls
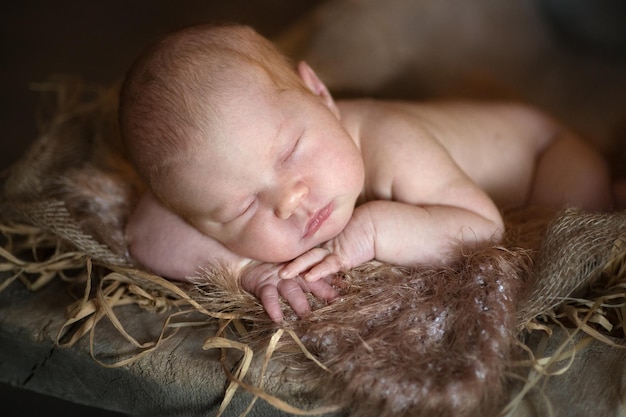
(495, 144)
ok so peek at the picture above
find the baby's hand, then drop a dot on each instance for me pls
(313, 265)
(352, 247)
(262, 280)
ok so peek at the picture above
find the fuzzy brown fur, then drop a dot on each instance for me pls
(409, 341)
(434, 342)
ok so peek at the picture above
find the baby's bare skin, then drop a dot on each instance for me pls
(431, 170)
(439, 158)
(286, 187)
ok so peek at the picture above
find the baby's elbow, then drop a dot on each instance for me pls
(495, 227)
(492, 227)
(488, 232)
(491, 220)
(155, 259)
(483, 232)
(140, 257)
(496, 230)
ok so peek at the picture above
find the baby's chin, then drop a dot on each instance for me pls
(286, 256)
(289, 256)
(282, 252)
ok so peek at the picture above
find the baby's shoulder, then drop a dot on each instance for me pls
(452, 124)
(386, 126)
(398, 145)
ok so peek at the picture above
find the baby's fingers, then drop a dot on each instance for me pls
(303, 263)
(268, 294)
(329, 266)
(293, 293)
(322, 290)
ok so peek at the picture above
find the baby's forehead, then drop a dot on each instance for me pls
(254, 113)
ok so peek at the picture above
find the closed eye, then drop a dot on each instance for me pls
(248, 207)
(291, 150)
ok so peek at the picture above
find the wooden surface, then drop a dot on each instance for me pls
(180, 378)
(177, 379)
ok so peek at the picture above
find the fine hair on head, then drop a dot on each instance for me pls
(172, 95)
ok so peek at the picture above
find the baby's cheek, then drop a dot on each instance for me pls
(273, 246)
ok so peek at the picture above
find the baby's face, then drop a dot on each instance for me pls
(280, 177)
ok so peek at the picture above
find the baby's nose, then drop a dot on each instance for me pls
(290, 198)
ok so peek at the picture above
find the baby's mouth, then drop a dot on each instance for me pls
(317, 220)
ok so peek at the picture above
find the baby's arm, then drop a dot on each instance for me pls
(425, 209)
(167, 245)
(399, 233)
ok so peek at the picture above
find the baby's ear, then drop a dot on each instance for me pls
(317, 87)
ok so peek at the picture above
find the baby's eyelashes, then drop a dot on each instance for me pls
(248, 206)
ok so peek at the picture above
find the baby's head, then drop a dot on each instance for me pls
(173, 94)
(248, 150)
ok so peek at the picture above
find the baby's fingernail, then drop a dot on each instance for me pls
(284, 274)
